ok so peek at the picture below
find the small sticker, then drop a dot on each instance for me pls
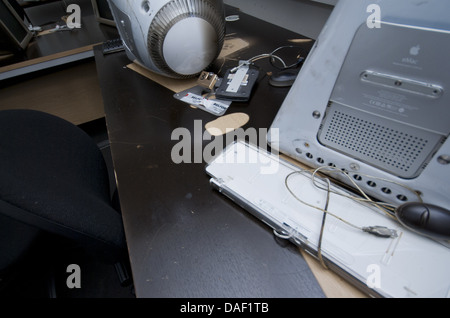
(214, 106)
(238, 78)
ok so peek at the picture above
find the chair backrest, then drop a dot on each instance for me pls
(53, 176)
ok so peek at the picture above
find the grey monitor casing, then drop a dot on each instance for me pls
(375, 101)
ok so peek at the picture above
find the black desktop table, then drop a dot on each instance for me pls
(184, 238)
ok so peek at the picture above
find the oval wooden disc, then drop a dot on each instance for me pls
(227, 123)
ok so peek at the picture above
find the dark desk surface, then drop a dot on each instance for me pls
(184, 238)
(91, 31)
(51, 49)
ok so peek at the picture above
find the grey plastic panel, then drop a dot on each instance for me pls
(397, 148)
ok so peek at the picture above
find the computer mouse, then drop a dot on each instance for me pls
(426, 219)
(284, 78)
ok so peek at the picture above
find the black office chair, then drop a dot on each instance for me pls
(53, 179)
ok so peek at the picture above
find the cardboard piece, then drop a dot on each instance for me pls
(231, 45)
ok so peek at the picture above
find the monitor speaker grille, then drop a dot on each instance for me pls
(382, 143)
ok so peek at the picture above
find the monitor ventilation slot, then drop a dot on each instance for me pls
(398, 150)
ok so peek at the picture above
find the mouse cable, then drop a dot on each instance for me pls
(380, 231)
(299, 58)
(322, 226)
(272, 57)
(373, 230)
(389, 209)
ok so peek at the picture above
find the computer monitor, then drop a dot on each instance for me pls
(14, 33)
(372, 100)
(103, 12)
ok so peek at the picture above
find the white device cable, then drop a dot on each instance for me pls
(269, 55)
(383, 206)
(380, 231)
(256, 58)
